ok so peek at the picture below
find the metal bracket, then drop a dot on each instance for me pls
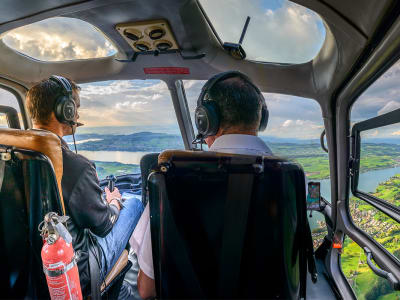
(6, 156)
(382, 273)
(351, 163)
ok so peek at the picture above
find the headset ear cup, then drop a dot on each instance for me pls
(65, 109)
(207, 119)
(264, 118)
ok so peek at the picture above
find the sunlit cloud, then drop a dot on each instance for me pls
(287, 123)
(59, 39)
(126, 103)
(287, 32)
(396, 133)
(390, 106)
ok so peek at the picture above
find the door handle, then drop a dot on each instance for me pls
(382, 273)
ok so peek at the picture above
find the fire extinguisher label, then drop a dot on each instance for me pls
(62, 288)
(56, 265)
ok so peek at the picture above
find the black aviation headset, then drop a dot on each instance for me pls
(207, 115)
(65, 106)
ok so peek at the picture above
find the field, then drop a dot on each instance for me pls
(106, 168)
(316, 164)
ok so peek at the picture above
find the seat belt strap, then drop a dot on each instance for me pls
(181, 258)
(94, 269)
(2, 171)
(312, 268)
(237, 204)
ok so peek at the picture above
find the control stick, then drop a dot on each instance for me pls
(111, 182)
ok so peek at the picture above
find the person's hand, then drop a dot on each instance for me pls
(112, 196)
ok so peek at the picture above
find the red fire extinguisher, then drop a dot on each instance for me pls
(59, 261)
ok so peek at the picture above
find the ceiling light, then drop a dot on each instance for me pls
(163, 45)
(155, 33)
(142, 46)
(133, 34)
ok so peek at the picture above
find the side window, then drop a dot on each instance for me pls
(8, 105)
(125, 120)
(294, 129)
(375, 200)
(379, 152)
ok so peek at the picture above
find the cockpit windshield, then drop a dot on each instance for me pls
(125, 120)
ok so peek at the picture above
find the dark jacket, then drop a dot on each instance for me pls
(83, 203)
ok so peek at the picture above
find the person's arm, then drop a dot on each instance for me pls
(87, 208)
(146, 286)
(141, 245)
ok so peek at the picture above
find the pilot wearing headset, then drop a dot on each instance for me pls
(53, 106)
(230, 112)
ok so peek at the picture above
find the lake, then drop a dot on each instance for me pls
(118, 156)
(367, 183)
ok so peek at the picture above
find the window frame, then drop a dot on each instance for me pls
(11, 116)
(389, 118)
(20, 103)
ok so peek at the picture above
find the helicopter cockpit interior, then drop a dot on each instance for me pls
(329, 73)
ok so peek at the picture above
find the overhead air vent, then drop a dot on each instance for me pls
(145, 36)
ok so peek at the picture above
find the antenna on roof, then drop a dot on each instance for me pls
(236, 50)
(244, 30)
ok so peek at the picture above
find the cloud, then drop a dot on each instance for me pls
(390, 106)
(126, 103)
(396, 132)
(59, 39)
(287, 33)
(380, 98)
(287, 123)
(369, 134)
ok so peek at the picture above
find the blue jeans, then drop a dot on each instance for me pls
(116, 240)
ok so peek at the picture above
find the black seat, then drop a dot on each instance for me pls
(28, 191)
(31, 170)
(190, 226)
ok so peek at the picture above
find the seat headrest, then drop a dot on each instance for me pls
(169, 155)
(41, 141)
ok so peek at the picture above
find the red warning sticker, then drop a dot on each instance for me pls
(166, 70)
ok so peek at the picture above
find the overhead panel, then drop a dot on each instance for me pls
(146, 36)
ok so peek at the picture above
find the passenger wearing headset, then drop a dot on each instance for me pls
(230, 112)
(53, 106)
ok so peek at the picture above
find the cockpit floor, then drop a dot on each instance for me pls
(321, 289)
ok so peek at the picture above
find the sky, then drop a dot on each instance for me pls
(279, 31)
